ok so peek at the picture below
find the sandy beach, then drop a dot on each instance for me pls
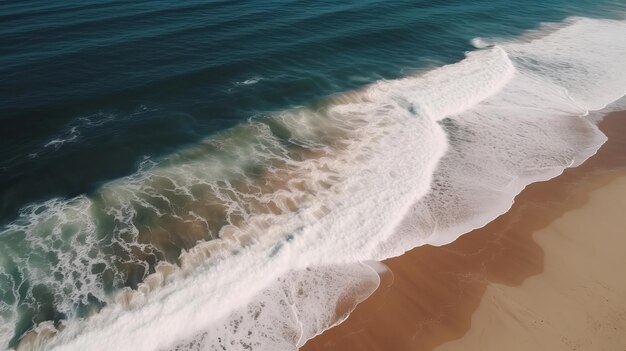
(544, 276)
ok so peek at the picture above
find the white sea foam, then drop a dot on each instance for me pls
(372, 174)
(279, 317)
(79, 128)
(68, 136)
(73, 132)
(527, 132)
(249, 81)
(481, 43)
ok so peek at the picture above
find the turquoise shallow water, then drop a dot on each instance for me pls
(132, 130)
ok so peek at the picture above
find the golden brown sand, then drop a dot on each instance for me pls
(547, 275)
(579, 301)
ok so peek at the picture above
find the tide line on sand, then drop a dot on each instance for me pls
(541, 276)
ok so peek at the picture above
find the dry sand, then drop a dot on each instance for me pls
(547, 275)
(579, 301)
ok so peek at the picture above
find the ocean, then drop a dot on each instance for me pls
(208, 175)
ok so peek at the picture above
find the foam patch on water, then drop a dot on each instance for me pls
(249, 81)
(526, 133)
(202, 249)
(84, 127)
(481, 43)
(280, 318)
(72, 132)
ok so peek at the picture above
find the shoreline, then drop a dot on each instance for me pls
(578, 302)
(437, 290)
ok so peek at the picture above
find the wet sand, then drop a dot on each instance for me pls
(546, 275)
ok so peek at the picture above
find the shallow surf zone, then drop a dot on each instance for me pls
(251, 239)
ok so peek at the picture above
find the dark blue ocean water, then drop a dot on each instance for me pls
(90, 88)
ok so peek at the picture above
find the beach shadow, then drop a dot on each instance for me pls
(436, 290)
